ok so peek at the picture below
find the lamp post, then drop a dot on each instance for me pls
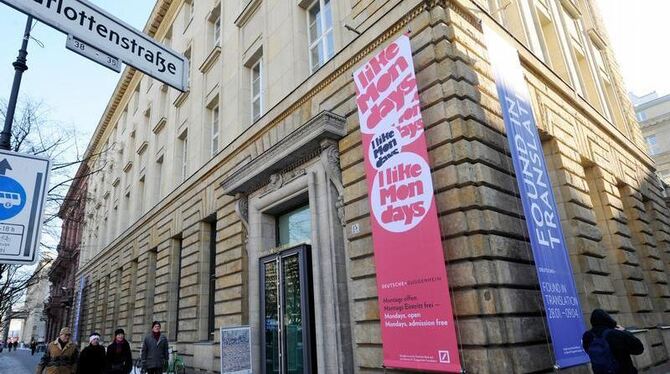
(19, 67)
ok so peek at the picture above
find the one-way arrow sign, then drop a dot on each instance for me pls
(4, 166)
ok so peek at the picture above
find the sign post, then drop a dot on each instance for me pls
(19, 67)
(23, 189)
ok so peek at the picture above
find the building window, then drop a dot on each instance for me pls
(214, 127)
(294, 227)
(652, 144)
(183, 155)
(187, 54)
(136, 99)
(641, 116)
(320, 29)
(211, 326)
(215, 25)
(551, 41)
(159, 179)
(187, 13)
(509, 14)
(256, 90)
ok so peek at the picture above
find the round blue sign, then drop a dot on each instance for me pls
(12, 197)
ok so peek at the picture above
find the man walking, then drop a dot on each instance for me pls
(60, 356)
(154, 350)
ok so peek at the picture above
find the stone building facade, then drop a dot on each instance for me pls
(653, 113)
(209, 200)
(59, 306)
(36, 294)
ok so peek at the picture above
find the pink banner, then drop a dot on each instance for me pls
(414, 305)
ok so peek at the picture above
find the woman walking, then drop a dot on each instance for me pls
(119, 357)
(92, 358)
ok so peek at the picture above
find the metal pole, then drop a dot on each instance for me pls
(19, 66)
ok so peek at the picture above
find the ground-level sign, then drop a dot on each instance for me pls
(101, 30)
(23, 189)
(93, 54)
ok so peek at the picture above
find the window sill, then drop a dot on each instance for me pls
(247, 12)
(159, 125)
(211, 59)
(128, 166)
(181, 98)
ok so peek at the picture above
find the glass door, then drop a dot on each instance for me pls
(286, 304)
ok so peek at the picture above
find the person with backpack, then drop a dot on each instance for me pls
(610, 346)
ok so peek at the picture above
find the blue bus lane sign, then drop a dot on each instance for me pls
(23, 189)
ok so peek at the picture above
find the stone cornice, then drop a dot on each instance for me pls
(286, 151)
(245, 15)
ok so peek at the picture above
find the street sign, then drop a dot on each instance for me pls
(23, 188)
(93, 54)
(97, 28)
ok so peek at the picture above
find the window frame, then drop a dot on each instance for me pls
(214, 130)
(323, 37)
(259, 95)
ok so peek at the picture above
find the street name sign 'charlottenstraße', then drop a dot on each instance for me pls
(102, 31)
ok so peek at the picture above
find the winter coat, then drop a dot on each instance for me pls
(154, 353)
(92, 360)
(57, 360)
(621, 343)
(119, 362)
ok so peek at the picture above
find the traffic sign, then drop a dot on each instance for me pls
(23, 189)
(92, 53)
(97, 28)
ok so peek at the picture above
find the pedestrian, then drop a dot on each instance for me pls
(119, 357)
(609, 345)
(33, 346)
(60, 356)
(92, 358)
(154, 351)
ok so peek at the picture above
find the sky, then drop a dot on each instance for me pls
(74, 89)
(638, 32)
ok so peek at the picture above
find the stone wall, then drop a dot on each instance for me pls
(614, 218)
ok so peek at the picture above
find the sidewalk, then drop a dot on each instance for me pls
(19, 361)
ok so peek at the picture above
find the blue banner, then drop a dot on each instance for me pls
(77, 309)
(552, 262)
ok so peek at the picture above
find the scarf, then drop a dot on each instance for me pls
(61, 343)
(118, 345)
(156, 335)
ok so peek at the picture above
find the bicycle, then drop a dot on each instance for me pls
(176, 365)
(137, 368)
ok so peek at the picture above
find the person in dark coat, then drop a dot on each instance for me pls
(154, 350)
(621, 342)
(92, 358)
(119, 357)
(33, 346)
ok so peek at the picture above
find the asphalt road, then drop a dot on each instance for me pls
(19, 361)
